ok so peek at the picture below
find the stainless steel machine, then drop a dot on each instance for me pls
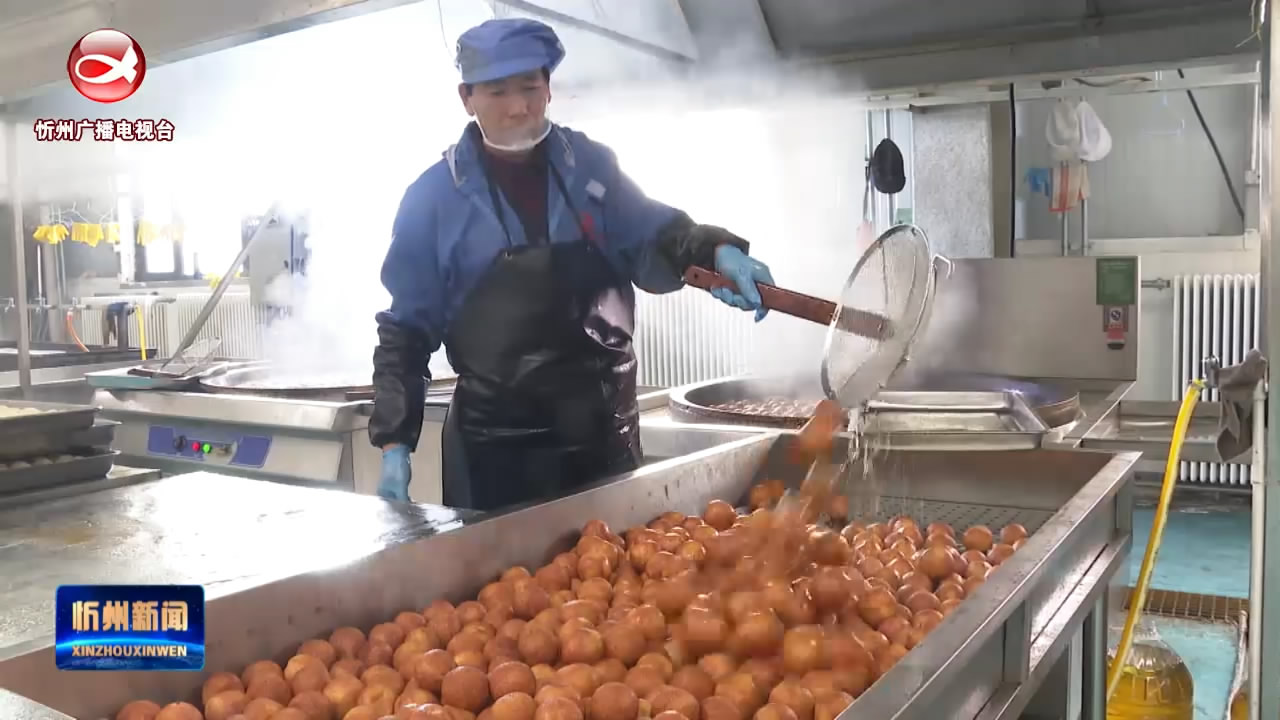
(1051, 352)
(244, 420)
(1009, 650)
(1007, 338)
(248, 422)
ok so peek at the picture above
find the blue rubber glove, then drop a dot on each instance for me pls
(745, 272)
(394, 483)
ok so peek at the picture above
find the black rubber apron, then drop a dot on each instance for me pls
(546, 394)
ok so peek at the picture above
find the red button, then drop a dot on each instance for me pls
(195, 447)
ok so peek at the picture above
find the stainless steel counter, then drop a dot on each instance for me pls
(16, 707)
(1113, 423)
(1098, 398)
(1148, 427)
(59, 384)
(304, 441)
(225, 533)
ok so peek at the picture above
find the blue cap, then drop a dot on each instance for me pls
(496, 49)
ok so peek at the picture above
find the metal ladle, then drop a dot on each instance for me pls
(272, 215)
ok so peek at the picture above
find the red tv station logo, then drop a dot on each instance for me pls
(106, 66)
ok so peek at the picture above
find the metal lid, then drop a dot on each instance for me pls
(893, 279)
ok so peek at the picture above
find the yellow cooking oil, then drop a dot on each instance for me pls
(1155, 684)
(1240, 704)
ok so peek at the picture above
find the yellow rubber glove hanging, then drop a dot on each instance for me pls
(146, 233)
(50, 234)
(113, 233)
(93, 235)
(213, 278)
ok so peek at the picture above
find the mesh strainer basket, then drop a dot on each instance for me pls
(894, 279)
(197, 358)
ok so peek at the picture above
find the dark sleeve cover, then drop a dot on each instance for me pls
(682, 244)
(659, 241)
(412, 328)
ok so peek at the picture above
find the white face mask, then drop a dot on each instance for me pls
(520, 141)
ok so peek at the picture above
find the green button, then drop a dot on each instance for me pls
(206, 448)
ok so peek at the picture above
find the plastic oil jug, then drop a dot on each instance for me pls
(1155, 684)
(1240, 704)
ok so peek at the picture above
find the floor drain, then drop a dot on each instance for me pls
(1193, 606)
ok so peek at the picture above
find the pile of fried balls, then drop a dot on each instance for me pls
(762, 615)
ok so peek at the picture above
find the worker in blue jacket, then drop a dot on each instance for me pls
(518, 251)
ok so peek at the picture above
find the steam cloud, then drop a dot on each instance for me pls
(776, 157)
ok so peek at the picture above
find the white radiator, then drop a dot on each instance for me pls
(235, 322)
(1218, 316)
(688, 336)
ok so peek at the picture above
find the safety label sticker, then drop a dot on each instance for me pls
(1115, 324)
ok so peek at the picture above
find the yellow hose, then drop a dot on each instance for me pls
(142, 332)
(1139, 597)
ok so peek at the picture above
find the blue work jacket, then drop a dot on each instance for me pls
(447, 231)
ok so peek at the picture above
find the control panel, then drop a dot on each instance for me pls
(215, 447)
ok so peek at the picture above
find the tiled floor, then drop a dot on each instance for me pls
(1209, 650)
(1205, 550)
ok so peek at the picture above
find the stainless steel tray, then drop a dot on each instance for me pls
(56, 417)
(20, 446)
(119, 476)
(37, 477)
(925, 420)
(147, 376)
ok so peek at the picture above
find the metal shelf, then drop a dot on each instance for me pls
(1147, 427)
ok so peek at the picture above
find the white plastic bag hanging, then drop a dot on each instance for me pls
(1075, 132)
(1063, 132)
(1095, 141)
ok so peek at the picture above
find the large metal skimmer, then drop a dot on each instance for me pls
(895, 280)
(179, 355)
(881, 310)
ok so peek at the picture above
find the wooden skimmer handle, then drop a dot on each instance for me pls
(806, 307)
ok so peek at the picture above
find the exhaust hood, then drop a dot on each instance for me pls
(624, 37)
(871, 44)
